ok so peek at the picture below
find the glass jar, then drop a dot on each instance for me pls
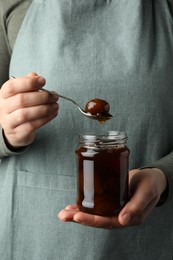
(102, 173)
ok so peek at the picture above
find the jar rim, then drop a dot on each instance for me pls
(109, 137)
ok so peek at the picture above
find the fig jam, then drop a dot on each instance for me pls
(102, 173)
(100, 108)
(97, 106)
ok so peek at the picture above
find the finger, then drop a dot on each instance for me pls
(32, 74)
(29, 99)
(138, 203)
(71, 207)
(31, 126)
(72, 213)
(139, 219)
(24, 115)
(66, 215)
(21, 85)
(24, 134)
(97, 221)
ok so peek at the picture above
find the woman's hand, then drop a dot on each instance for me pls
(146, 187)
(24, 109)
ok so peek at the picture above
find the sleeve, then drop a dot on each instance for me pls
(12, 13)
(5, 55)
(4, 149)
(170, 3)
(4, 65)
(4, 52)
(166, 165)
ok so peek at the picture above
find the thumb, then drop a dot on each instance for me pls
(135, 210)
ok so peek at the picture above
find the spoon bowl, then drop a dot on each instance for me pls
(101, 118)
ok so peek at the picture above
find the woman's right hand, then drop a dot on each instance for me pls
(24, 109)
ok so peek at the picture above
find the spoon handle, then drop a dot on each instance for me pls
(69, 99)
(61, 96)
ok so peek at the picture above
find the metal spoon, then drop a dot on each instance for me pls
(101, 118)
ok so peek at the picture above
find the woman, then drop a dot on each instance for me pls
(119, 51)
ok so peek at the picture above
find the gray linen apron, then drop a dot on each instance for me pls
(121, 51)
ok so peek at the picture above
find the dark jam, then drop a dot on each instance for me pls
(102, 169)
(98, 107)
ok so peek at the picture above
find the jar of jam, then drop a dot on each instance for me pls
(102, 173)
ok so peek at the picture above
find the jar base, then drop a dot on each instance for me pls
(103, 214)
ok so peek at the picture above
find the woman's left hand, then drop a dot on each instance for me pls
(146, 187)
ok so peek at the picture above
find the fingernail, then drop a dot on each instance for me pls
(54, 94)
(126, 218)
(41, 80)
